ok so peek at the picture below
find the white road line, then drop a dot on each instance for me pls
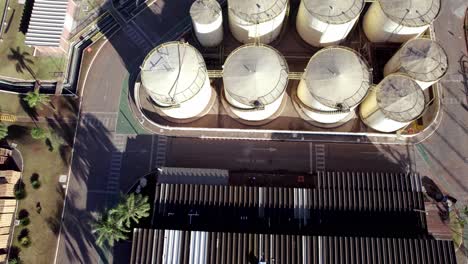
(161, 151)
(151, 154)
(74, 141)
(311, 156)
(320, 157)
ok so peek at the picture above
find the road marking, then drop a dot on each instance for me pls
(114, 175)
(320, 157)
(137, 38)
(311, 157)
(107, 120)
(151, 154)
(265, 149)
(161, 151)
(120, 142)
(100, 192)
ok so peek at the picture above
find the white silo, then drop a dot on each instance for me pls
(335, 81)
(394, 103)
(399, 20)
(207, 19)
(323, 22)
(256, 19)
(422, 59)
(255, 78)
(174, 75)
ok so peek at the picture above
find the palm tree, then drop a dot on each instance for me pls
(3, 131)
(38, 133)
(34, 99)
(131, 207)
(108, 230)
(22, 62)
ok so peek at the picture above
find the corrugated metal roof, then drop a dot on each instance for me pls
(193, 176)
(46, 23)
(239, 248)
(279, 197)
(324, 210)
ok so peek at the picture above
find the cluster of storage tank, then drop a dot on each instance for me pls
(336, 80)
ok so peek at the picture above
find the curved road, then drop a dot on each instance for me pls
(105, 162)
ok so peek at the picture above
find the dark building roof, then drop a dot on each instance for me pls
(193, 176)
(338, 204)
(175, 246)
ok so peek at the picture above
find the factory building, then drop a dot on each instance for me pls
(178, 246)
(255, 78)
(367, 201)
(323, 23)
(342, 217)
(256, 20)
(399, 21)
(207, 20)
(335, 81)
(393, 104)
(422, 59)
(174, 75)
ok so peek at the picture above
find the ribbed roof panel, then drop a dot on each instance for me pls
(47, 20)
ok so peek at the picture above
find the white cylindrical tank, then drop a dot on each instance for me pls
(394, 103)
(175, 77)
(335, 81)
(255, 78)
(399, 20)
(256, 19)
(422, 59)
(207, 19)
(323, 22)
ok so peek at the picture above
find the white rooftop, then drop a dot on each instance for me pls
(46, 23)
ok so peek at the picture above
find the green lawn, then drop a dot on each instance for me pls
(126, 122)
(49, 158)
(14, 104)
(2, 7)
(49, 161)
(44, 67)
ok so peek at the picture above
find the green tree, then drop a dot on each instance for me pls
(3, 131)
(36, 99)
(131, 207)
(108, 230)
(38, 133)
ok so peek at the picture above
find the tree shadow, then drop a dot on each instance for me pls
(49, 144)
(432, 189)
(34, 177)
(53, 222)
(32, 112)
(16, 132)
(23, 233)
(23, 213)
(65, 153)
(21, 60)
(9, 21)
(64, 129)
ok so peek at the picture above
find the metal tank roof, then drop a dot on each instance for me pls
(255, 72)
(411, 13)
(173, 73)
(400, 98)
(423, 59)
(257, 11)
(337, 77)
(205, 11)
(334, 12)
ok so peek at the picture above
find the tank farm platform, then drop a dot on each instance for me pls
(289, 118)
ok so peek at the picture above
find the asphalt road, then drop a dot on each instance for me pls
(105, 163)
